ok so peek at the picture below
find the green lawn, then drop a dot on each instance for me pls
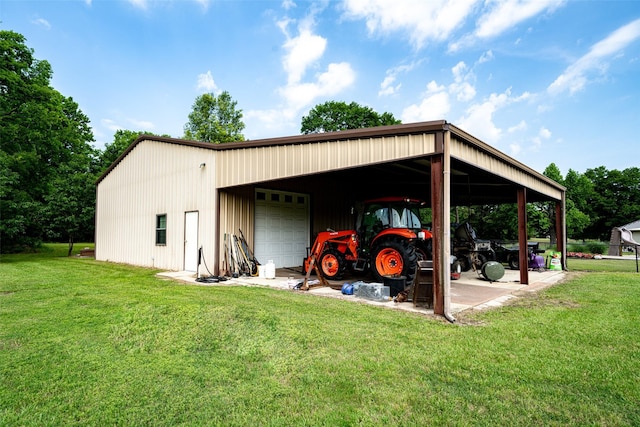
(90, 343)
(611, 265)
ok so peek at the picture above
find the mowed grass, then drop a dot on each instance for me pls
(613, 265)
(91, 343)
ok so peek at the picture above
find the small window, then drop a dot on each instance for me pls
(161, 229)
(275, 197)
(288, 198)
(261, 195)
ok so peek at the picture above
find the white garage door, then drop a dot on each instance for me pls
(282, 227)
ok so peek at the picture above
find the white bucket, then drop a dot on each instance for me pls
(262, 271)
(270, 271)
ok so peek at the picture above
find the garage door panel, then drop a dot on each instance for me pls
(281, 227)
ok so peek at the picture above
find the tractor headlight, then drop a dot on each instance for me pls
(421, 235)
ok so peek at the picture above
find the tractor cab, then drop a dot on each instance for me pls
(389, 213)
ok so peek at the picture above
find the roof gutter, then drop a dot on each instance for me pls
(446, 225)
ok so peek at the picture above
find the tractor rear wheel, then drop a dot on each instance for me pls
(332, 264)
(394, 257)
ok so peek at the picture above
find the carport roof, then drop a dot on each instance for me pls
(480, 174)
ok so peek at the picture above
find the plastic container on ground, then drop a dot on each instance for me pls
(270, 270)
(396, 284)
(373, 291)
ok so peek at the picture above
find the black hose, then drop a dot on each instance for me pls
(211, 278)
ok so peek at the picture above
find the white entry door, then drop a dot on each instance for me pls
(190, 241)
(281, 227)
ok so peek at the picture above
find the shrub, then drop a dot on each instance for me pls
(576, 248)
(597, 248)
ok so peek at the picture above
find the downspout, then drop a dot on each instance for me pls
(446, 225)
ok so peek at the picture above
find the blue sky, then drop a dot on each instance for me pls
(543, 81)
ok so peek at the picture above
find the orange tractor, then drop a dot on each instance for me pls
(388, 240)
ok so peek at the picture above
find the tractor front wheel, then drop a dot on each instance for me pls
(332, 264)
(394, 257)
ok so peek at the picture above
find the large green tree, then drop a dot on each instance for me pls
(333, 116)
(614, 201)
(579, 192)
(45, 144)
(215, 119)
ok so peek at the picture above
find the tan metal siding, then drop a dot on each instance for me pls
(237, 209)
(252, 165)
(155, 178)
(473, 155)
(332, 210)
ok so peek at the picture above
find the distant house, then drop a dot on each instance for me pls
(625, 235)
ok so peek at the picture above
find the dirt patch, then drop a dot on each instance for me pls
(542, 301)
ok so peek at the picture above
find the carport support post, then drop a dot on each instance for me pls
(561, 231)
(523, 254)
(441, 224)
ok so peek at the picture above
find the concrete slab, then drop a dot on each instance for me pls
(471, 291)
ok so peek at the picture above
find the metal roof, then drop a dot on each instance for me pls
(380, 161)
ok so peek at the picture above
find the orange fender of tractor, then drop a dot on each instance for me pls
(401, 232)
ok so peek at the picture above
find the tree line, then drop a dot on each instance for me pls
(49, 166)
(596, 201)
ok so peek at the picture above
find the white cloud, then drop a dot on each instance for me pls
(387, 86)
(288, 4)
(502, 16)
(141, 124)
(140, 4)
(272, 119)
(420, 20)
(111, 125)
(515, 148)
(302, 51)
(479, 119)
(334, 80)
(509, 13)
(486, 57)
(522, 126)
(575, 77)
(203, 3)
(41, 22)
(544, 133)
(144, 4)
(206, 83)
(435, 105)
(461, 87)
